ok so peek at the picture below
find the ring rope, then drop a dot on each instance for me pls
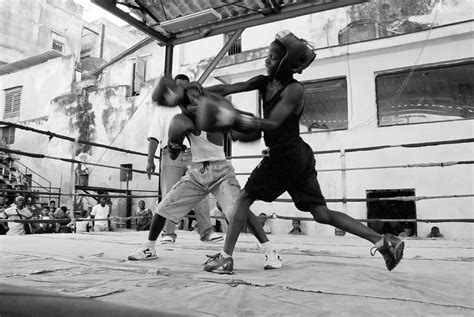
(439, 164)
(68, 138)
(37, 155)
(372, 148)
(116, 219)
(398, 198)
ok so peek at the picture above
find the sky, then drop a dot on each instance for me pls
(93, 12)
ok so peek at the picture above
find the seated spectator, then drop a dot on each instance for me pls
(46, 227)
(63, 215)
(263, 220)
(3, 226)
(435, 233)
(219, 224)
(296, 227)
(142, 224)
(407, 230)
(15, 212)
(81, 226)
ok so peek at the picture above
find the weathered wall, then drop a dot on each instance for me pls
(26, 26)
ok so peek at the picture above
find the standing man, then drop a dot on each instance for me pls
(173, 170)
(16, 212)
(100, 211)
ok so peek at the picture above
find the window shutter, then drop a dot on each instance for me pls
(12, 102)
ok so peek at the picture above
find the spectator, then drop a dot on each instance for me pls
(435, 233)
(65, 217)
(52, 207)
(100, 211)
(296, 227)
(142, 224)
(46, 227)
(82, 226)
(3, 226)
(15, 212)
(263, 220)
(407, 230)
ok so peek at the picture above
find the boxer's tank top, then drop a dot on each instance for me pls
(289, 131)
(203, 150)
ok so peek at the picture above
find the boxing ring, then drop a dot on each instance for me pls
(328, 275)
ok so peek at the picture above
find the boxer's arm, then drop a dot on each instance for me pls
(224, 90)
(291, 99)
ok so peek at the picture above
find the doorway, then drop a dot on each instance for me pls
(392, 209)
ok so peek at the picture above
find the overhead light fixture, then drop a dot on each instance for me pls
(191, 21)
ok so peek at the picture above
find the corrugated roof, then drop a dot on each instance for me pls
(174, 22)
(28, 62)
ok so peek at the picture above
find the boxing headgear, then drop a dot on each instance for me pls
(299, 54)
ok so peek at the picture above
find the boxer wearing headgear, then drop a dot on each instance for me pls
(288, 163)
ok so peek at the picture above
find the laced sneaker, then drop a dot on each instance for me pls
(213, 237)
(167, 240)
(391, 249)
(144, 253)
(273, 260)
(218, 264)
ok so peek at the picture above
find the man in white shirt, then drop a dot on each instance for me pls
(173, 170)
(100, 211)
(15, 212)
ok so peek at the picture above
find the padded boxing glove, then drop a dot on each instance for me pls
(216, 113)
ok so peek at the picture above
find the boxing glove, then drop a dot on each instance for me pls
(180, 126)
(245, 136)
(216, 113)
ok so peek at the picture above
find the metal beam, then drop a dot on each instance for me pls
(219, 56)
(169, 60)
(286, 12)
(110, 6)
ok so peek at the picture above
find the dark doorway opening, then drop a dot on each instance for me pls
(392, 209)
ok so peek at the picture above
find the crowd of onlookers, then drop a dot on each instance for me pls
(53, 219)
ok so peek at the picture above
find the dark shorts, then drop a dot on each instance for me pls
(289, 167)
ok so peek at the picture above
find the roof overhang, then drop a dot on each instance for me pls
(180, 21)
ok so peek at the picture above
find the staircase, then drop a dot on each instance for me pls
(16, 177)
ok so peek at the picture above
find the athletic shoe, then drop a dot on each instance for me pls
(144, 253)
(273, 260)
(391, 250)
(213, 237)
(218, 264)
(167, 240)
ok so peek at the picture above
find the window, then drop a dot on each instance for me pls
(8, 135)
(138, 81)
(236, 48)
(325, 105)
(12, 102)
(126, 172)
(440, 93)
(57, 46)
(58, 42)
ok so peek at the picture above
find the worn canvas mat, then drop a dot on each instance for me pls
(333, 276)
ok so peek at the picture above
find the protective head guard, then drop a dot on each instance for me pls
(299, 54)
